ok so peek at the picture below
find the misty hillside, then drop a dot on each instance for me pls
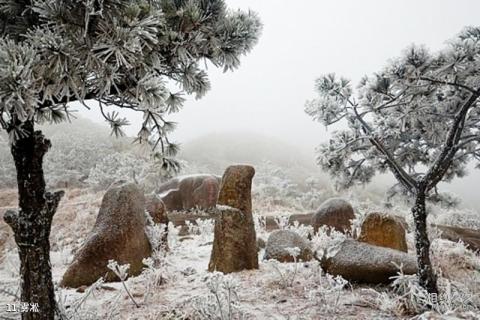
(217, 151)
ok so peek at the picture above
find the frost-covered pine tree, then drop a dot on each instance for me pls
(419, 118)
(137, 54)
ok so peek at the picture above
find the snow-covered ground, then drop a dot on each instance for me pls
(180, 287)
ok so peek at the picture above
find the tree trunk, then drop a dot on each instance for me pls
(426, 275)
(32, 223)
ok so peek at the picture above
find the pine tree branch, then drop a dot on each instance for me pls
(449, 83)
(403, 177)
(450, 147)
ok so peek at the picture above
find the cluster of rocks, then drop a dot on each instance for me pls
(372, 256)
(119, 231)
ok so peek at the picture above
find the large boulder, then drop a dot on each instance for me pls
(187, 192)
(234, 245)
(118, 234)
(335, 213)
(280, 241)
(384, 231)
(470, 237)
(365, 263)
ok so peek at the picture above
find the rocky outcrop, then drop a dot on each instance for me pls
(118, 234)
(335, 213)
(187, 192)
(470, 237)
(234, 246)
(279, 242)
(383, 230)
(365, 263)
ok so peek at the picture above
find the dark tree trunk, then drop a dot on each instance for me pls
(32, 223)
(426, 274)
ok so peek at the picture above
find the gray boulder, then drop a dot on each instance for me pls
(335, 213)
(280, 241)
(366, 263)
(187, 192)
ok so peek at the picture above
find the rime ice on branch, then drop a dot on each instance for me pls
(420, 111)
(138, 55)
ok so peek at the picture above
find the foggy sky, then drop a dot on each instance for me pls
(302, 40)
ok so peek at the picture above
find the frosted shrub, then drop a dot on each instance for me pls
(156, 234)
(464, 219)
(156, 274)
(157, 267)
(173, 232)
(282, 221)
(114, 167)
(302, 230)
(144, 170)
(325, 241)
(327, 291)
(121, 271)
(203, 228)
(453, 257)
(260, 223)
(78, 309)
(412, 298)
(287, 272)
(222, 302)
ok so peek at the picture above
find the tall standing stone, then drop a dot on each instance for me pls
(234, 246)
(118, 234)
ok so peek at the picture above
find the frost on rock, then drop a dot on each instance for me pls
(335, 213)
(118, 233)
(234, 245)
(361, 262)
(281, 242)
(190, 191)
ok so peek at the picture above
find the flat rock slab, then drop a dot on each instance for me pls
(365, 263)
(470, 237)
